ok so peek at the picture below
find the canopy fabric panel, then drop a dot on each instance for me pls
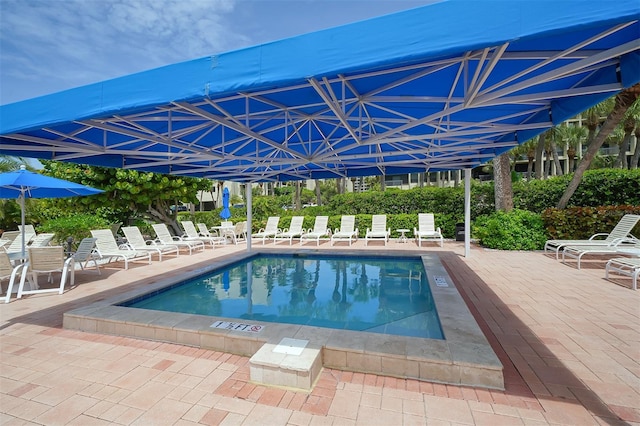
(445, 86)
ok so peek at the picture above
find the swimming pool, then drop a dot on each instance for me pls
(464, 356)
(388, 295)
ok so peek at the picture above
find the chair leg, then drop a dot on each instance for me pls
(12, 280)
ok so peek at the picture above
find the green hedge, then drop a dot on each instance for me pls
(582, 222)
(603, 187)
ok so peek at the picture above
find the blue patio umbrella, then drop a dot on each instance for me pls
(225, 213)
(23, 184)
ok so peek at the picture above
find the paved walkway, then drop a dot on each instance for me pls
(569, 340)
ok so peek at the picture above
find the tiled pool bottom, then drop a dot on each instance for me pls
(464, 357)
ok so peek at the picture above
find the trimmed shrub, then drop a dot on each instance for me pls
(515, 230)
(78, 226)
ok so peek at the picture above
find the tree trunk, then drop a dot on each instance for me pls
(547, 165)
(636, 151)
(571, 153)
(621, 160)
(556, 160)
(623, 101)
(318, 193)
(502, 182)
(298, 192)
(530, 168)
(539, 151)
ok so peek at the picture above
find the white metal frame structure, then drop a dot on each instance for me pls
(410, 104)
(446, 86)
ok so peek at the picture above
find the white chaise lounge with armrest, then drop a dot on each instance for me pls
(165, 238)
(192, 234)
(107, 248)
(270, 230)
(621, 230)
(617, 247)
(629, 266)
(295, 230)
(427, 229)
(378, 229)
(136, 241)
(347, 231)
(320, 229)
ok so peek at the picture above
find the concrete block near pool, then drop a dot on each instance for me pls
(290, 364)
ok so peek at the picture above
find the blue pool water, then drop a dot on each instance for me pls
(373, 294)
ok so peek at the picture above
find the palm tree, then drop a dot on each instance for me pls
(8, 164)
(572, 137)
(529, 148)
(552, 153)
(636, 153)
(539, 151)
(503, 191)
(616, 138)
(623, 102)
(631, 122)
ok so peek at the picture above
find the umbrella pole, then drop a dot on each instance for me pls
(22, 220)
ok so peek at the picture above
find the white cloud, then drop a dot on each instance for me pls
(99, 39)
(51, 45)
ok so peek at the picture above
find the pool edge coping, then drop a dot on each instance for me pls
(464, 357)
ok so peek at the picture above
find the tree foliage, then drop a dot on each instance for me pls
(128, 193)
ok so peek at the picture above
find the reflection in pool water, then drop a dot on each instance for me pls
(373, 294)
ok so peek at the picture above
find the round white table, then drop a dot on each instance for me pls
(403, 238)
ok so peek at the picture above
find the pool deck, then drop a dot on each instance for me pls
(568, 339)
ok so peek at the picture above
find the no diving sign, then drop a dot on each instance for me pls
(441, 281)
(237, 326)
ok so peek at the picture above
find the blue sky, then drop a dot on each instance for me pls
(52, 45)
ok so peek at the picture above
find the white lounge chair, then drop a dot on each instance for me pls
(347, 231)
(136, 241)
(28, 229)
(192, 234)
(629, 266)
(621, 230)
(107, 248)
(41, 240)
(320, 229)
(7, 270)
(378, 229)
(620, 246)
(164, 237)
(86, 253)
(270, 229)
(16, 245)
(427, 229)
(294, 230)
(46, 260)
(9, 236)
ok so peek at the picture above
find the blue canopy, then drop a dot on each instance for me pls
(445, 86)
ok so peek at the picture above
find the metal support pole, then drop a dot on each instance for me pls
(249, 218)
(467, 212)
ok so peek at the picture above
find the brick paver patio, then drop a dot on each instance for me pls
(569, 341)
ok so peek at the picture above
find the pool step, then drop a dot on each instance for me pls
(290, 363)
